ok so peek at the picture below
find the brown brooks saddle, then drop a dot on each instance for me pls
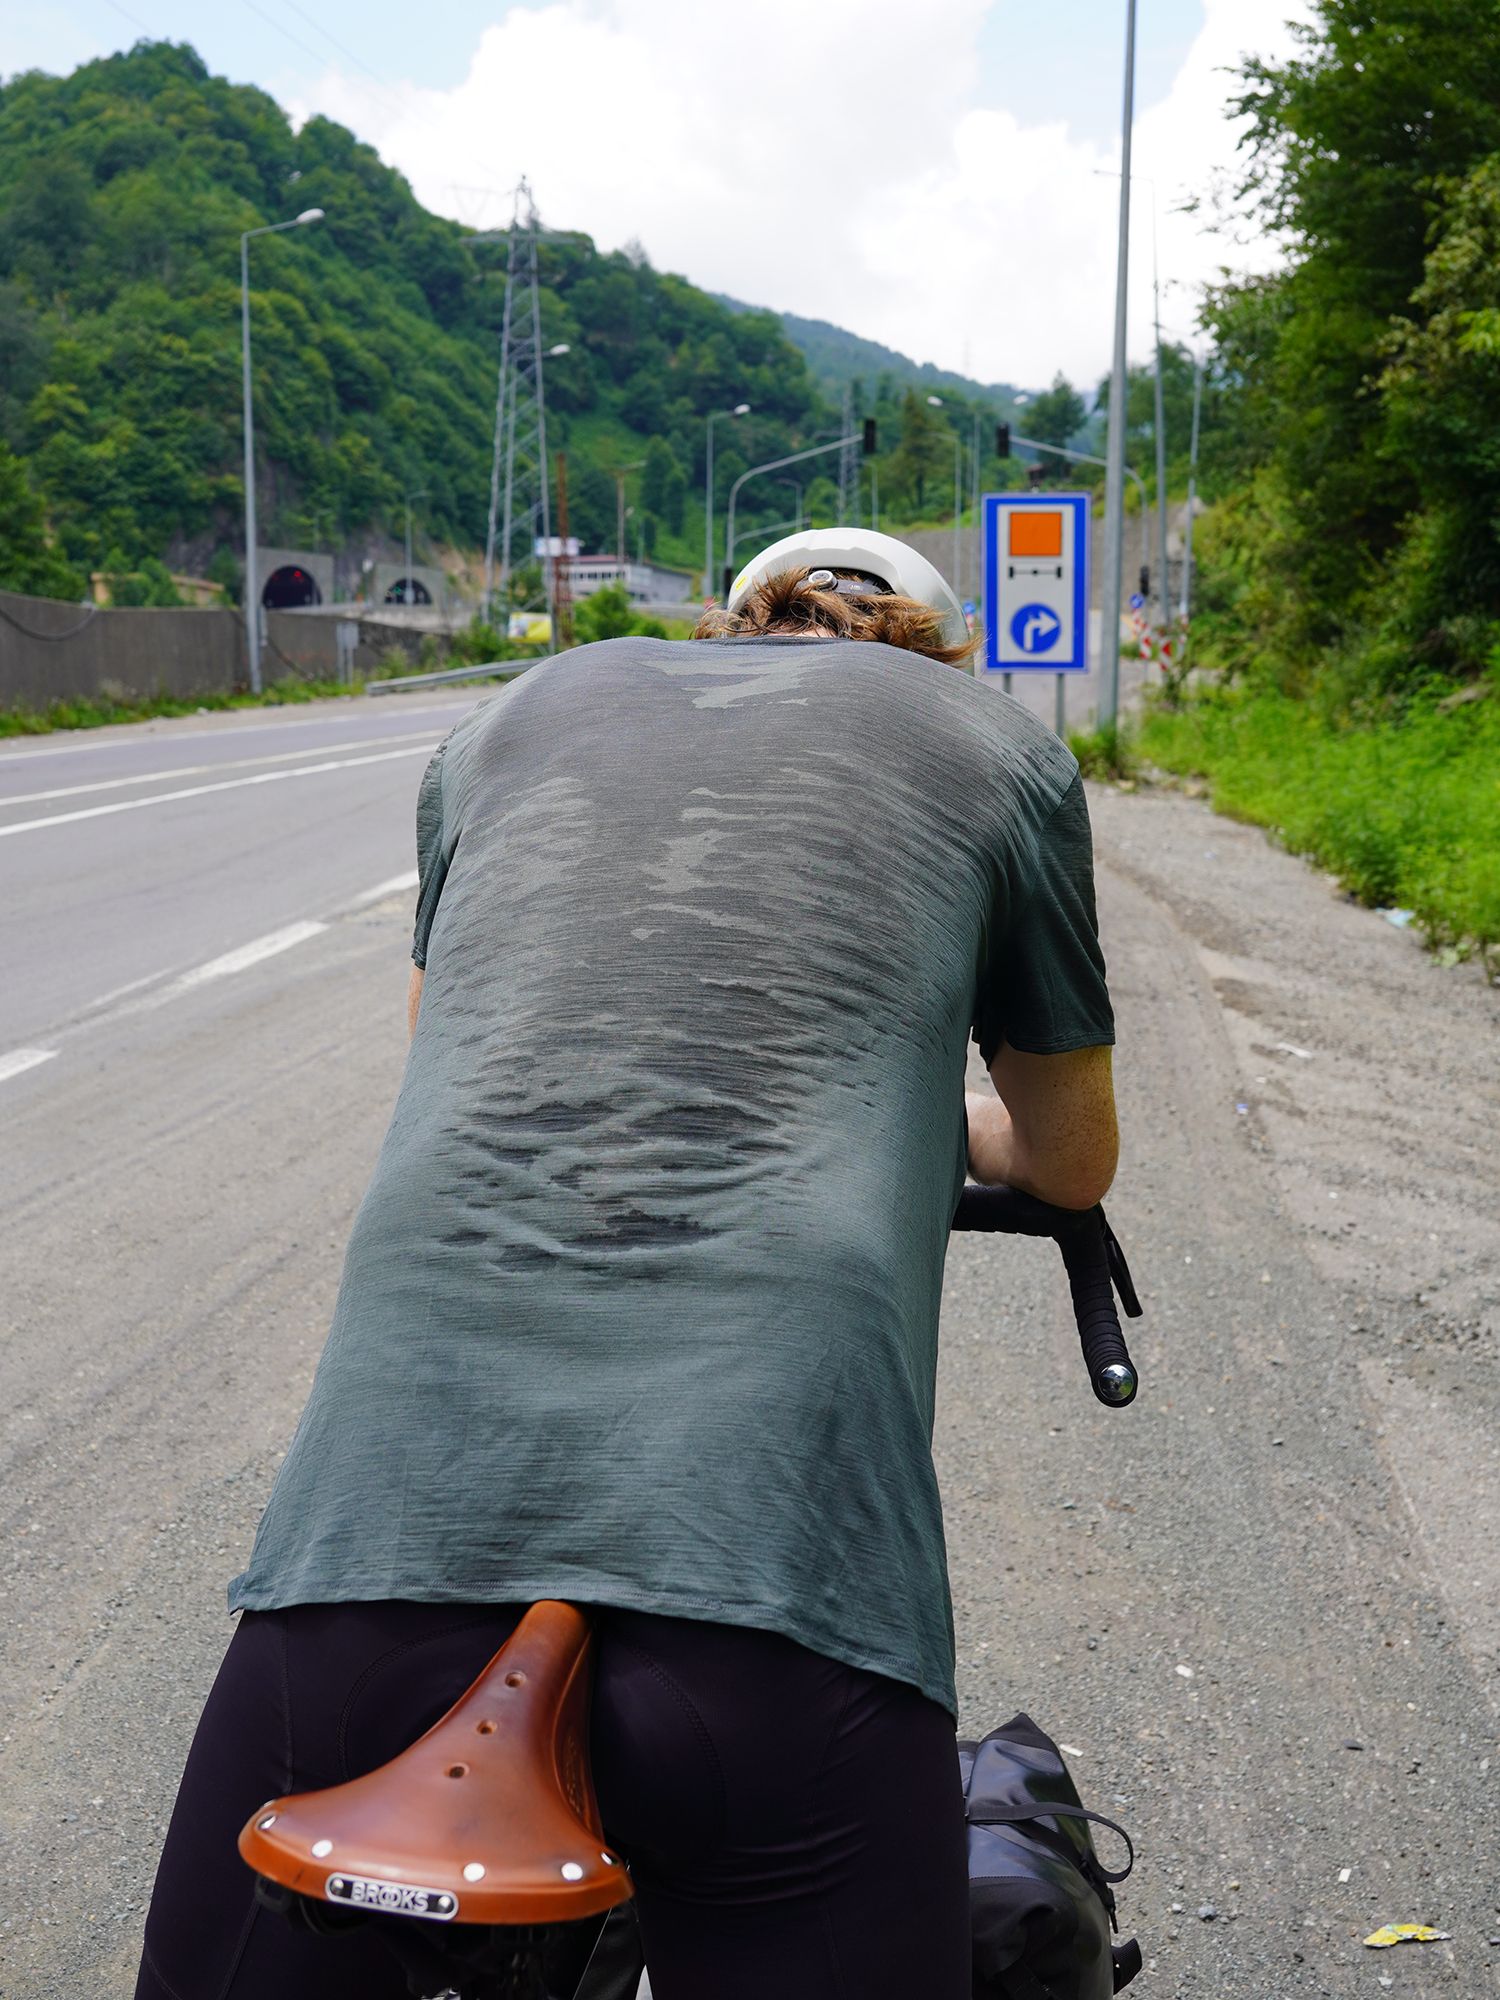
(486, 1830)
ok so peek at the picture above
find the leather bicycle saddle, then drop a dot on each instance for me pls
(490, 1818)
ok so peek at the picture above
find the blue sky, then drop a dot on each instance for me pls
(1069, 54)
(954, 161)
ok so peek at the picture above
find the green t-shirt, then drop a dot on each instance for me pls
(641, 1307)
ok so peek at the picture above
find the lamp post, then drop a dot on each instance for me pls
(958, 497)
(1192, 501)
(776, 528)
(620, 475)
(775, 465)
(252, 581)
(1114, 476)
(739, 410)
(408, 593)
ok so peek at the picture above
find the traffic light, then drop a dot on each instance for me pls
(869, 447)
(1002, 440)
(1145, 579)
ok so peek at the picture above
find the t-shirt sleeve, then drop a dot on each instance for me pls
(1044, 990)
(432, 852)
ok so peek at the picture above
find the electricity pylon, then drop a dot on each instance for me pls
(519, 504)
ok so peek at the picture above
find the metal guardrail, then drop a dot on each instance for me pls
(404, 683)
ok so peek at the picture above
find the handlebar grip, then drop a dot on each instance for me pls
(1095, 1265)
(1086, 1259)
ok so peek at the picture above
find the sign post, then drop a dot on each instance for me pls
(1036, 585)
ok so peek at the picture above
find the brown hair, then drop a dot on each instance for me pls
(781, 604)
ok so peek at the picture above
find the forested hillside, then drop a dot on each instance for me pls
(123, 191)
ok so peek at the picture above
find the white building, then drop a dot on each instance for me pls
(645, 583)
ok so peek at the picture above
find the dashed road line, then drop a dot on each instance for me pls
(133, 999)
(203, 791)
(101, 742)
(18, 1061)
(397, 886)
(197, 770)
(246, 955)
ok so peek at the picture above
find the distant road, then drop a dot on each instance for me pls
(135, 858)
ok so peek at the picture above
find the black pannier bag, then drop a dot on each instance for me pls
(1042, 1906)
(1042, 1903)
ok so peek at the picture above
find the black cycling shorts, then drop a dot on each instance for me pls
(794, 1827)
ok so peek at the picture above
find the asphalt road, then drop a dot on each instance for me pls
(1285, 1548)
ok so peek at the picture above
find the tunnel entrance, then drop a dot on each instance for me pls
(408, 590)
(290, 588)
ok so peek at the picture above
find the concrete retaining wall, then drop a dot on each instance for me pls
(52, 651)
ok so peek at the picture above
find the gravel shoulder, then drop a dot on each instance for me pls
(1262, 1602)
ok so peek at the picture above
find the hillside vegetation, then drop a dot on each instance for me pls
(123, 191)
(1350, 589)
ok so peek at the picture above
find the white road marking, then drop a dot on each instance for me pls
(133, 999)
(246, 955)
(20, 1060)
(103, 742)
(397, 886)
(202, 791)
(197, 770)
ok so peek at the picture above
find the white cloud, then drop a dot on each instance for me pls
(819, 163)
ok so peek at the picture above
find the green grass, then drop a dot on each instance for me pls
(98, 710)
(1107, 752)
(1406, 813)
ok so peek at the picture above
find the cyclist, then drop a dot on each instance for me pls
(640, 1309)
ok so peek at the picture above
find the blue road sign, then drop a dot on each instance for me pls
(1035, 629)
(970, 607)
(1137, 602)
(1036, 582)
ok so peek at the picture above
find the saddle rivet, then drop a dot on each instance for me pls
(336, 1885)
(571, 1872)
(515, 1680)
(446, 1903)
(265, 1824)
(473, 1871)
(322, 1848)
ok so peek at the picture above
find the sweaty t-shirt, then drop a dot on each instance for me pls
(641, 1307)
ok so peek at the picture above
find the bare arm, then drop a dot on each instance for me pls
(413, 1000)
(1051, 1129)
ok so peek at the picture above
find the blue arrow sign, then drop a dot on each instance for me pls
(1034, 628)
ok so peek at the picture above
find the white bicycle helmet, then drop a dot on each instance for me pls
(895, 565)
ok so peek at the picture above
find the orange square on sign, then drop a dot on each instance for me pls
(1035, 531)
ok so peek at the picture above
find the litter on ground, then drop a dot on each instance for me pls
(1390, 1934)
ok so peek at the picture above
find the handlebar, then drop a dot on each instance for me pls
(1096, 1269)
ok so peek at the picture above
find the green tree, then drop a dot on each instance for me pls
(1057, 414)
(923, 454)
(1346, 536)
(28, 561)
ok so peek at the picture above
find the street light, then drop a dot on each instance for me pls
(620, 475)
(1114, 476)
(776, 465)
(958, 496)
(739, 410)
(252, 581)
(408, 592)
